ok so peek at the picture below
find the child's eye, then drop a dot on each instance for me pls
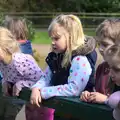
(102, 44)
(55, 38)
(105, 45)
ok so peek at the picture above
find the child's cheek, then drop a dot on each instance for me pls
(118, 83)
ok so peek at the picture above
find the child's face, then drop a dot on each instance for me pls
(104, 44)
(59, 38)
(115, 72)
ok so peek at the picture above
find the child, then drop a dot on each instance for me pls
(19, 29)
(112, 56)
(69, 69)
(19, 70)
(107, 35)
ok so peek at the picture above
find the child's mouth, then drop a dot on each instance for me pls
(54, 48)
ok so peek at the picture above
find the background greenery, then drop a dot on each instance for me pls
(59, 5)
(41, 37)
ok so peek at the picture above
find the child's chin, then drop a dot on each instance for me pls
(56, 51)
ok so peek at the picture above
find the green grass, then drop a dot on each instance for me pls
(42, 37)
(90, 32)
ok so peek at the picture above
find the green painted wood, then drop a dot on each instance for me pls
(9, 107)
(72, 107)
(66, 107)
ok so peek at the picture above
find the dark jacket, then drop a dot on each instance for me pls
(60, 75)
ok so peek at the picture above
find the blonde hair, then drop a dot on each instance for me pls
(8, 42)
(73, 25)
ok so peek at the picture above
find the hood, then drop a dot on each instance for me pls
(90, 45)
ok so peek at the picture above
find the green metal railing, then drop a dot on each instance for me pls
(43, 19)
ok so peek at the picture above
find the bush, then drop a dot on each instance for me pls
(39, 59)
(4, 20)
(31, 29)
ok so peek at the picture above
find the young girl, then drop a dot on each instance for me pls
(69, 68)
(112, 56)
(19, 29)
(107, 35)
(19, 70)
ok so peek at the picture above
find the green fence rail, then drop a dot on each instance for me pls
(71, 107)
(43, 19)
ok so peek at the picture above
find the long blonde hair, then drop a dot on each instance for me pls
(8, 42)
(76, 36)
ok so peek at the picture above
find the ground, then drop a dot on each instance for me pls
(43, 49)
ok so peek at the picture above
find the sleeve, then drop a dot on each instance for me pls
(3, 81)
(44, 80)
(22, 83)
(80, 72)
(28, 68)
(114, 100)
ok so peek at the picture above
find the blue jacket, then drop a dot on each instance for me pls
(26, 48)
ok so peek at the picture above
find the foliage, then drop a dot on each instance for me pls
(59, 5)
(31, 29)
(39, 59)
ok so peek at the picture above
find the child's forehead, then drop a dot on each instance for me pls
(115, 68)
(57, 30)
(105, 40)
(114, 63)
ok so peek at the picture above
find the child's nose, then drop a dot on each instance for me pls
(53, 42)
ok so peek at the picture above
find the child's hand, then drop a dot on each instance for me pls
(5, 87)
(84, 96)
(16, 91)
(35, 97)
(97, 97)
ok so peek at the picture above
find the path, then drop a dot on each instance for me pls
(42, 49)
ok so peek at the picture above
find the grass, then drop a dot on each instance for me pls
(90, 32)
(41, 37)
